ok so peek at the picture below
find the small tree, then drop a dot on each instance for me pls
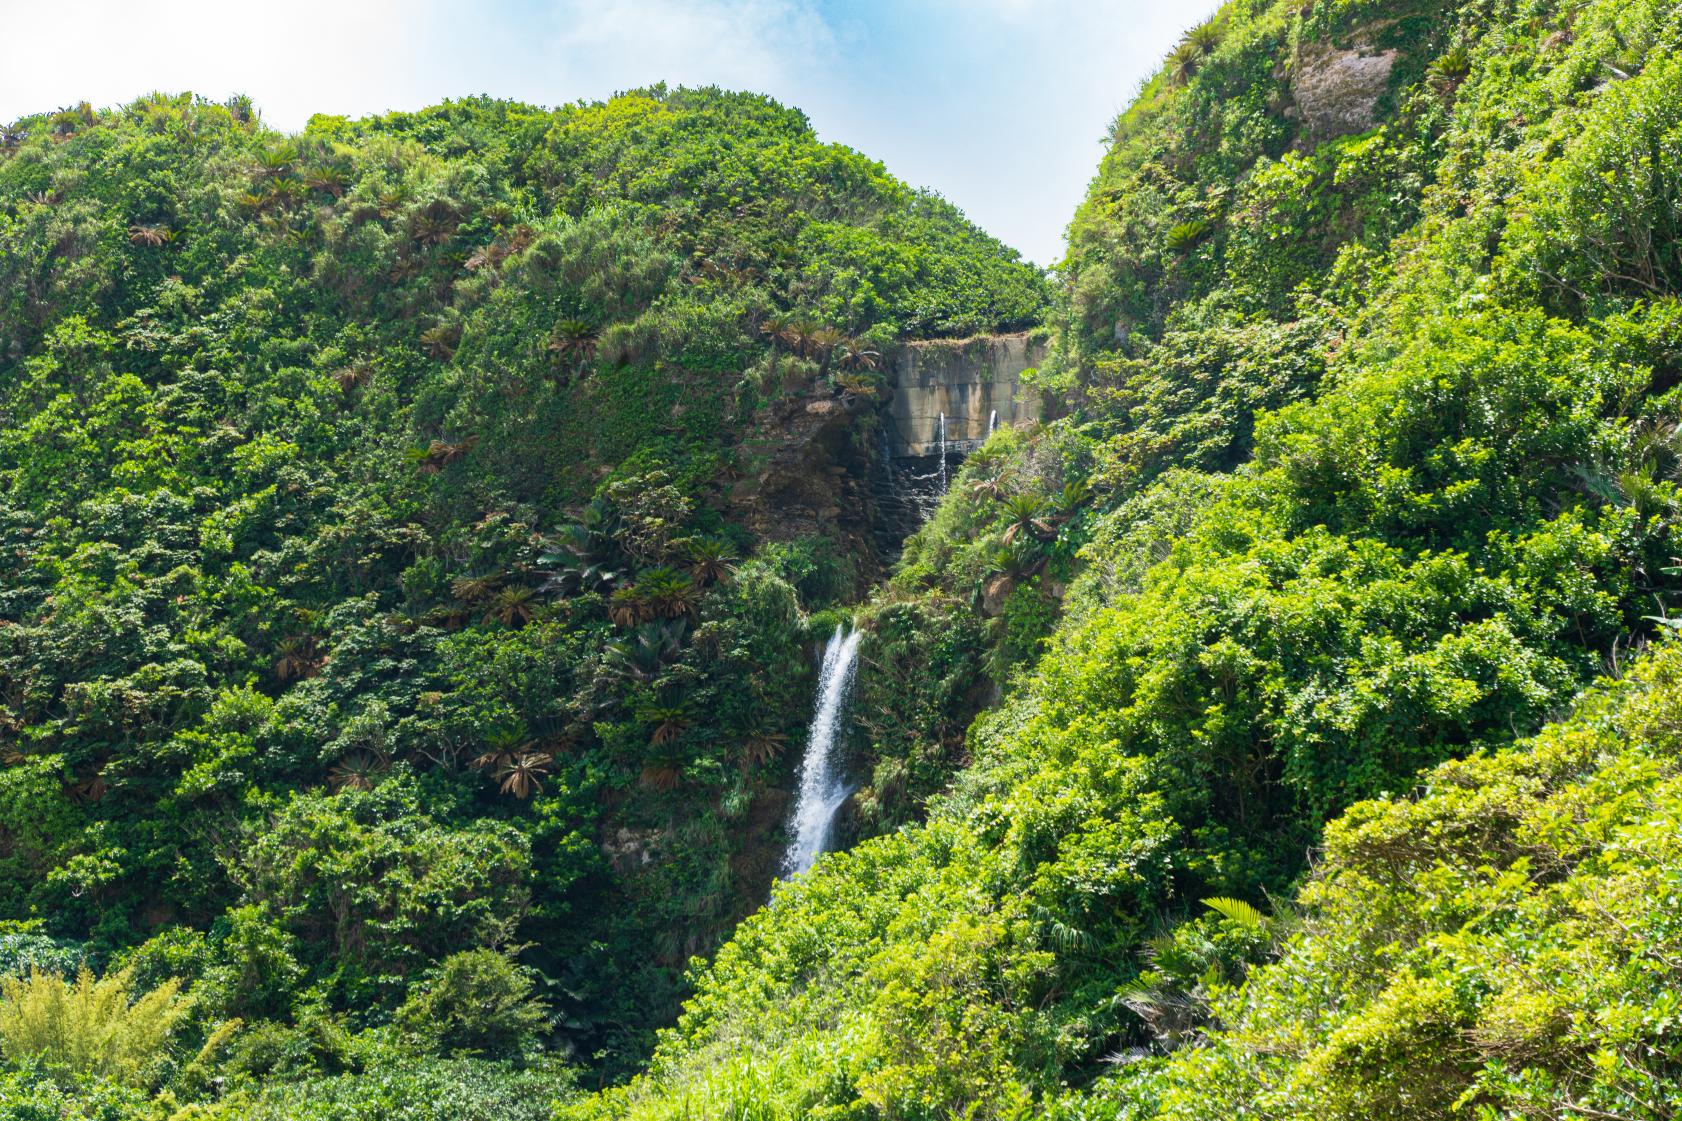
(479, 1002)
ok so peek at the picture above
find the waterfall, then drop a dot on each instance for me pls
(921, 498)
(821, 788)
(942, 431)
(992, 421)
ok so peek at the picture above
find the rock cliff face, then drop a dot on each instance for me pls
(814, 467)
(1337, 90)
(967, 380)
(806, 471)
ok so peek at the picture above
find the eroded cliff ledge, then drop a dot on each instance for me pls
(974, 383)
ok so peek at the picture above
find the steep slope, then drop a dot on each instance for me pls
(1503, 945)
(380, 581)
(1374, 463)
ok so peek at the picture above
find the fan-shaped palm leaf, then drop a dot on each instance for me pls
(1238, 911)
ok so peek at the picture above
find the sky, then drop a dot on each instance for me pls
(999, 105)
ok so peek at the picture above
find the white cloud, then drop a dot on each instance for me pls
(295, 59)
(369, 56)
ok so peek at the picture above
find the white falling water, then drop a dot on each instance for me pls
(992, 421)
(822, 790)
(942, 431)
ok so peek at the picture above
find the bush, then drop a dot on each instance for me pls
(22, 953)
(428, 1090)
(477, 1002)
(1503, 940)
(1604, 219)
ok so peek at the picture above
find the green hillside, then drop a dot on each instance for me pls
(423, 528)
(379, 586)
(1372, 464)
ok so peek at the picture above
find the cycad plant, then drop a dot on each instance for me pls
(823, 344)
(502, 745)
(152, 236)
(641, 656)
(629, 606)
(435, 223)
(67, 122)
(574, 339)
(512, 606)
(668, 592)
(1183, 64)
(296, 657)
(1067, 502)
(585, 555)
(1027, 515)
(712, 560)
(761, 748)
(1203, 39)
(359, 770)
(276, 160)
(522, 776)
(670, 722)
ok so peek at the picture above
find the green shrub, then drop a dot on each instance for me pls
(425, 1090)
(1497, 940)
(1602, 220)
(25, 952)
(478, 1002)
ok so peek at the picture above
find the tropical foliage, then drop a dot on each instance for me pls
(385, 635)
(419, 527)
(1370, 465)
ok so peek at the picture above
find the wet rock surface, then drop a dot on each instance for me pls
(973, 383)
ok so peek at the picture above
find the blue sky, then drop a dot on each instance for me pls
(996, 104)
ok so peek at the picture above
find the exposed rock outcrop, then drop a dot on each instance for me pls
(1337, 91)
(806, 470)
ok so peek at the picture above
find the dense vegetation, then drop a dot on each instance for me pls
(420, 523)
(410, 534)
(1373, 463)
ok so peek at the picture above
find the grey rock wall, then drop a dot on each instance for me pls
(1337, 91)
(967, 380)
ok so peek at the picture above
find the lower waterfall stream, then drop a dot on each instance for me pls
(822, 787)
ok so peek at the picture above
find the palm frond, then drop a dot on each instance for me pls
(1238, 911)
